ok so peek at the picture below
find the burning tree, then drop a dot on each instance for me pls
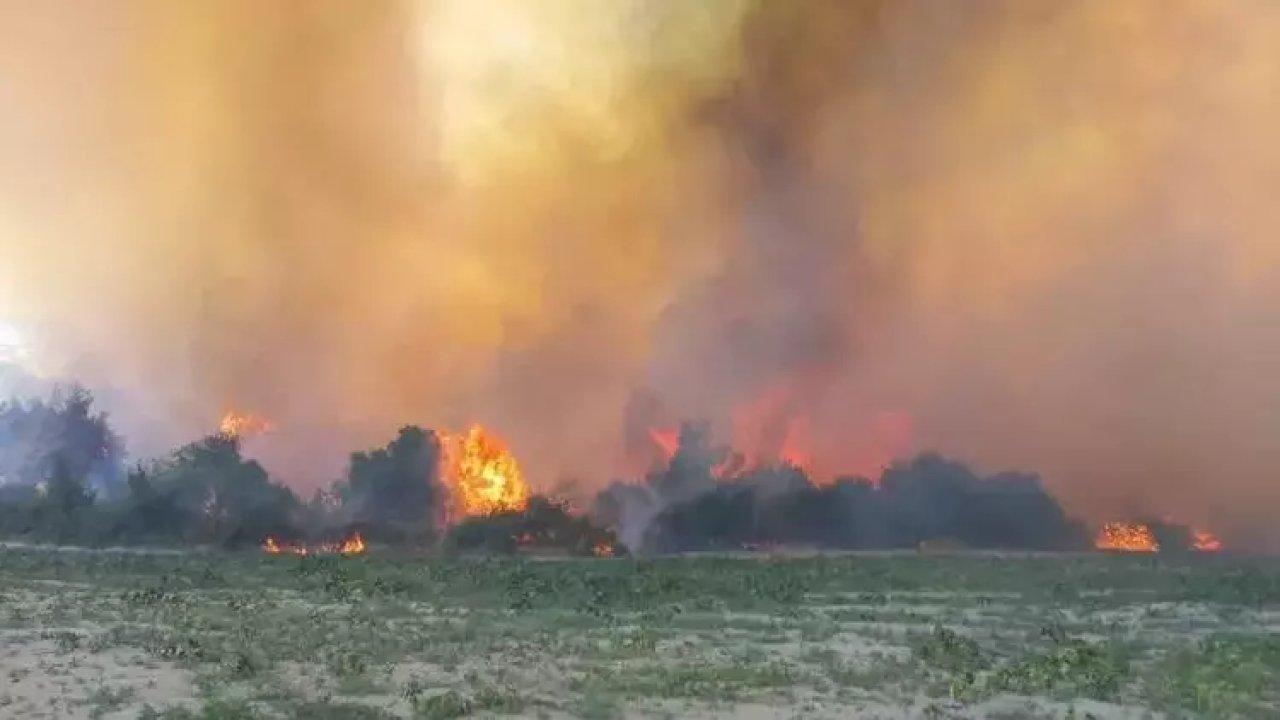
(481, 476)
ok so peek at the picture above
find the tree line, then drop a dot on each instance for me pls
(63, 481)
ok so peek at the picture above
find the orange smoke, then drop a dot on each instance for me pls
(1126, 537)
(482, 477)
(796, 447)
(1205, 541)
(240, 425)
(772, 430)
(666, 440)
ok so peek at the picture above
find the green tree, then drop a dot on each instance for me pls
(216, 496)
(394, 489)
(62, 511)
(37, 433)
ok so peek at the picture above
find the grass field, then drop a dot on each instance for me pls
(126, 635)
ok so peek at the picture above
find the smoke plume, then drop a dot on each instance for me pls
(1023, 234)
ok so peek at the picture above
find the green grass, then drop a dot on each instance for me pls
(1221, 676)
(402, 636)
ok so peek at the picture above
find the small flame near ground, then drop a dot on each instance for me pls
(352, 544)
(482, 477)
(1136, 537)
(1126, 537)
(236, 424)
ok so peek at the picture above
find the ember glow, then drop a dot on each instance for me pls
(796, 450)
(481, 476)
(1129, 537)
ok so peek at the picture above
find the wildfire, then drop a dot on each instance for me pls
(774, 430)
(483, 478)
(352, 544)
(603, 549)
(1140, 538)
(1126, 537)
(795, 446)
(271, 546)
(239, 425)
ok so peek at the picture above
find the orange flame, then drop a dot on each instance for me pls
(602, 549)
(1138, 537)
(353, 544)
(238, 425)
(482, 477)
(1126, 537)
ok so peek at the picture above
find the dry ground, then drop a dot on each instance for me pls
(129, 635)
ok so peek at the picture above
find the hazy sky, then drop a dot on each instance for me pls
(1035, 235)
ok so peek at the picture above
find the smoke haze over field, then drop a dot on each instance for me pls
(1030, 235)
